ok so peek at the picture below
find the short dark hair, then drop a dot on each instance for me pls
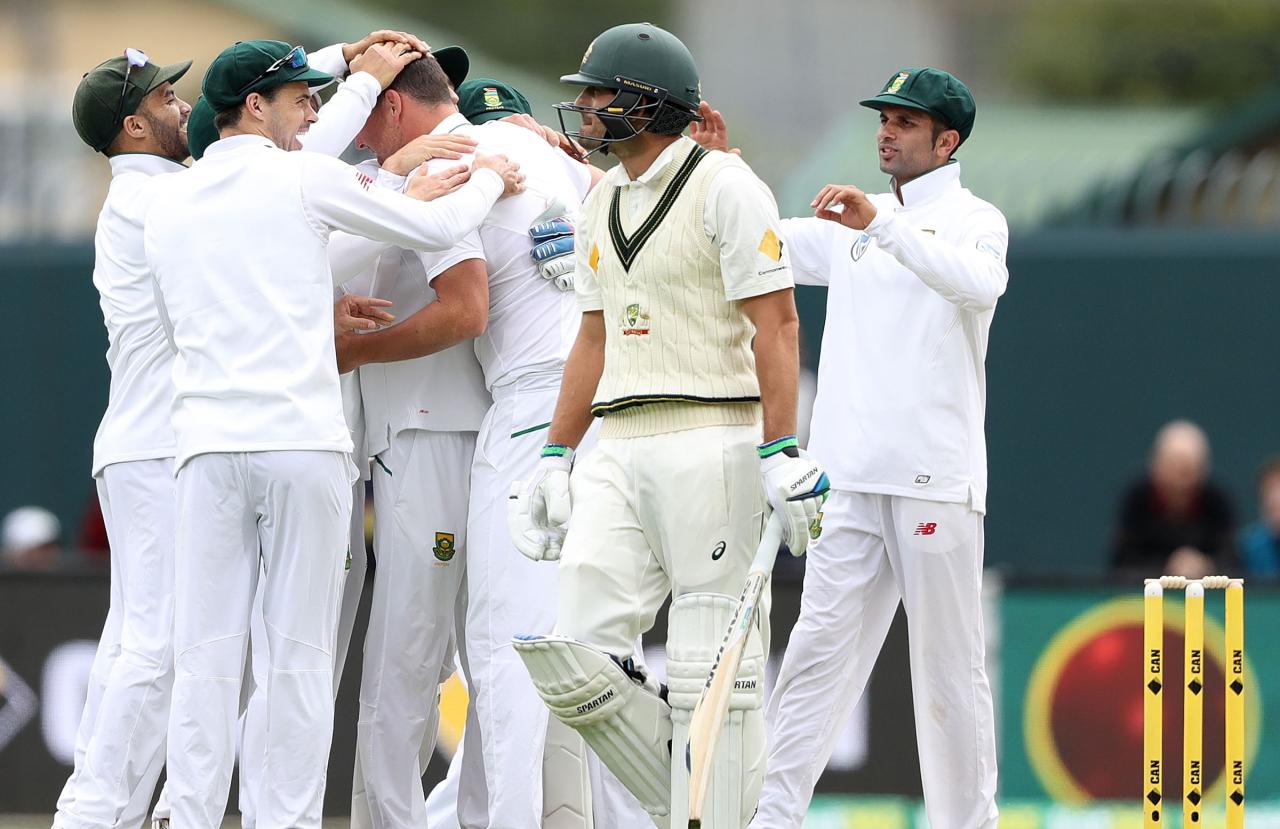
(939, 127)
(424, 81)
(231, 117)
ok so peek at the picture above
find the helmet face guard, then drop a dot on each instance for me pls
(634, 101)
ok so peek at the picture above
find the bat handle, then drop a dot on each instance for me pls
(770, 541)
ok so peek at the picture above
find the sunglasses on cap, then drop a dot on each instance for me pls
(295, 59)
(135, 59)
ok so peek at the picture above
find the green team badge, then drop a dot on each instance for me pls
(896, 83)
(815, 527)
(444, 548)
(635, 321)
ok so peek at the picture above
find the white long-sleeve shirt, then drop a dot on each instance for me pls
(902, 380)
(238, 248)
(136, 423)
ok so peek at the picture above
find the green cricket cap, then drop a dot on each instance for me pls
(247, 66)
(105, 97)
(200, 129)
(484, 99)
(930, 90)
(455, 63)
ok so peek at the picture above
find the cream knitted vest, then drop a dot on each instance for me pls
(677, 351)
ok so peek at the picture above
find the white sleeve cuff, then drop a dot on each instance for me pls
(489, 181)
(329, 59)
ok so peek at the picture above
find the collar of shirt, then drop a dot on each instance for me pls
(151, 165)
(451, 123)
(931, 185)
(659, 164)
(236, 142)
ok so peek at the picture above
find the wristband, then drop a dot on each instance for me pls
(555, 450)
(787, 445)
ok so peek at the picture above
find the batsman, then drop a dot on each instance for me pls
(687, 353)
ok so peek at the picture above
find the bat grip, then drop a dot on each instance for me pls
(770, 542)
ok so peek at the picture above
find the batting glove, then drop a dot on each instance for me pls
(538, 510)
(553, 250)
(796, 486)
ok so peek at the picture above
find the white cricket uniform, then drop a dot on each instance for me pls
(681, 422)
(340, 119)
(532, 325)
(422, 417)
(122, 734)
(238, 249)
(898, 423)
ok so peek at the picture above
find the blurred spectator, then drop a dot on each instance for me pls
(1175, 521)
(1260, 547)
(91, 536)
(29, 539)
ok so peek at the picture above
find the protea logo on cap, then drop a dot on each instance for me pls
(896, 83)
(491, 99)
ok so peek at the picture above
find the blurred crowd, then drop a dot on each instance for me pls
(1176, 520)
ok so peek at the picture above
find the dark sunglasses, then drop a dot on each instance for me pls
(136, 59)
(296, 59)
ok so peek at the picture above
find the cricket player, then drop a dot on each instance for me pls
(126, 109)
(237, 248)
(688, 353)
(422, 416)
(528, 325)
(914, 275)
(368, 65)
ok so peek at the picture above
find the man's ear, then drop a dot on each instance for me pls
(394, 104)
(253, 106)
(948, 142)
(134, 126)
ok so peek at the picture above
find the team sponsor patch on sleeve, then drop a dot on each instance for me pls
(363, 179)
(771, 245)
(989, 249)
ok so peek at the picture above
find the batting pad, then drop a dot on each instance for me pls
(696, 627)
(626, 724)
(566, 783)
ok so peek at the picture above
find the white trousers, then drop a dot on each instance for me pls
(253, 720)
(120, 743)
(507, 594)
(287, 512)
(874, 551)
(421, 491)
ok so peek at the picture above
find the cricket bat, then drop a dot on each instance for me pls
(713, 704)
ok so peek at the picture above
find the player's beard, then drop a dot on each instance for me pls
(170, 138)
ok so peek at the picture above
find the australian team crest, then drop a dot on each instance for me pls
(444, 548)
(860, 246)
(635, 321)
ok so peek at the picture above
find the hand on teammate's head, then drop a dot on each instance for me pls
(385, 60)
(351, 50)
(512, 178)
(427, 186)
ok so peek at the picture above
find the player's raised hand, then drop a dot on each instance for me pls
(512, 178)
(350, 50)
(711, 132)
(385, 60)
(427, 186)
(856, 211)
(361, 313)
(426, 147)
